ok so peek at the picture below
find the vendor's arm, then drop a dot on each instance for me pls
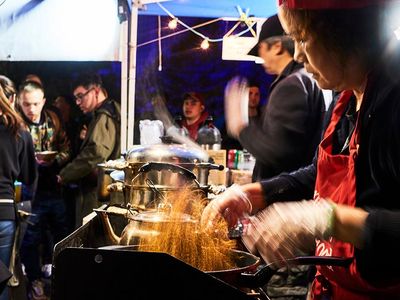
(293, 186)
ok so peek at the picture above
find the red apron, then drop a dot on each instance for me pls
(336, 181)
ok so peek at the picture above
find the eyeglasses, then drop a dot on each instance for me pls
(80, 96)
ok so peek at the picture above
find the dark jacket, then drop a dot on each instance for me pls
(102, 143)
(49, 135)
(290, 125)
(17, 162)
(377, 175)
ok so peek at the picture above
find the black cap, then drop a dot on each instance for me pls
(271, 27)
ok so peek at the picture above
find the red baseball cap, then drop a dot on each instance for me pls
(195, 96)
(332, 4)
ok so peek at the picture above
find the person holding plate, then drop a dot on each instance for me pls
(52, 149)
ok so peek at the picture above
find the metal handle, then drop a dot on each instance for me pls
(210, 166)
(266, 271)
(166, 166)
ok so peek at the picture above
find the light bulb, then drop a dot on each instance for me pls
(173, 23)
(205, 44)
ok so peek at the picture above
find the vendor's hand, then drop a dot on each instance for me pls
(59, 179)
(236, 106)
(232, 205)
(288, 229)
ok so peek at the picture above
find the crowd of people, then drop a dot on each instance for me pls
(55, 157)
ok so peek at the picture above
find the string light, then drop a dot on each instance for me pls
(173, 23)
(178, 32)
(205, 44)
(244, 18)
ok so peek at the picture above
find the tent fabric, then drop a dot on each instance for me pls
(213, 8)
(75, 30)
(65, 30)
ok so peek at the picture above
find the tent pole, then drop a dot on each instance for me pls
(123, 54)
(132, 74)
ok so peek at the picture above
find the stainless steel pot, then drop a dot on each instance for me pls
(142, 226)
(150, 171)
(192, 159)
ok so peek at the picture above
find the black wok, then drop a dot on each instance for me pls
(249, 272)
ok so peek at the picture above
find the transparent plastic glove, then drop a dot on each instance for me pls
(288, 229)
(236, 106)
(232, 205)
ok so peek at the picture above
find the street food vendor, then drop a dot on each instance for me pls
(348, 46)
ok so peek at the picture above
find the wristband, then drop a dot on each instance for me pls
(331, 215)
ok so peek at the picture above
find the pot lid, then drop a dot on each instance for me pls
(161, 217)
(168, 153)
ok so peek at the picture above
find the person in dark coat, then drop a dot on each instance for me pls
(290, 124)
(17, 162)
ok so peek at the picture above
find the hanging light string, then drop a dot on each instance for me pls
(249, 21)
(179, 32)
(243, 18)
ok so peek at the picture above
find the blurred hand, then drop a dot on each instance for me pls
(83, 132)
(288, 229)
(236, 106)
(45, 163)
(232, 205)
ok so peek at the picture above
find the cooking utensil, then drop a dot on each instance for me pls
(147, 194)
(249, 272)
(266, 271)
(165, 178)
(117, 176)
(245, 262)
(140, 226)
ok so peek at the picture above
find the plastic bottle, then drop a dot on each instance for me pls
(181, 130)
(209, 136)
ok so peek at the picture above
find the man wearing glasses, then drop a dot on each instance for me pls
(101, 142)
